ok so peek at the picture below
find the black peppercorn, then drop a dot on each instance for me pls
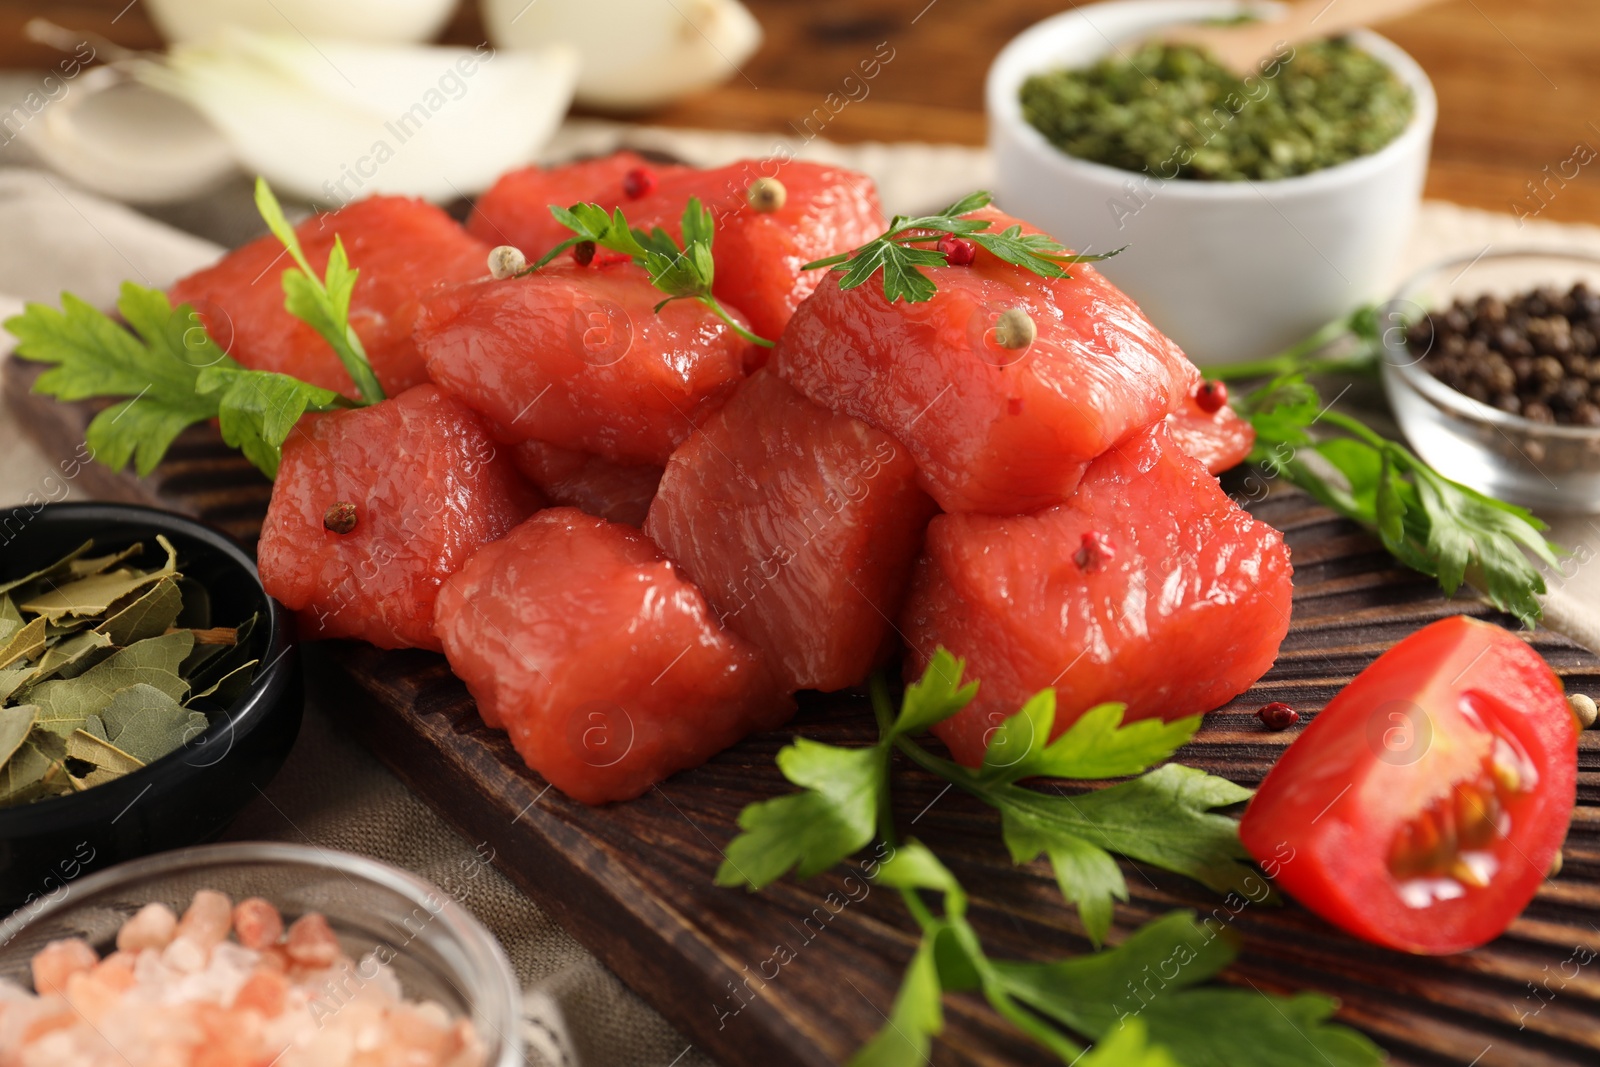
(1536, 354)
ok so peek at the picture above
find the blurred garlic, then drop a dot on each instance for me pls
(335, 121)
(636, 54)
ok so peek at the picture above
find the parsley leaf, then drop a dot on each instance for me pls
(1163, 817)
(845, 788)
(324, 305)
(896, 254)
(915, 1019)
(836, 816)
(172, 374)
(1097, 745)
(257, 410)
(950, 958)
(94, 356)
(1128, 1046)
(1428, 522)
(685, 273)
(1154, 977)
(936, 696)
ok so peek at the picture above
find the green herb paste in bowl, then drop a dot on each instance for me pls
(1174, 112)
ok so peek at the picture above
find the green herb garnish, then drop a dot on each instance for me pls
(1171, 111)
(105, 668)
(685, 273)
(173, 375)
(1433, 525)
(898, 255)
(1162, 817)
(324, 305)
(1428, 522)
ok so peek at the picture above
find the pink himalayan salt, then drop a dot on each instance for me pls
(311, 942)
(242, 1006)
(60, 960)
(204, 926)
(152, 926)
(257, 923)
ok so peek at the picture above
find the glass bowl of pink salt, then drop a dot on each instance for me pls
(241, 955)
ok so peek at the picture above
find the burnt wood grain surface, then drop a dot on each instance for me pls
(633, 881)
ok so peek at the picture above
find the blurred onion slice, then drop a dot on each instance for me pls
(334, 121)
(636, 53)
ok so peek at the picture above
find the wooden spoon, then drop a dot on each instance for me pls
(1239, 47)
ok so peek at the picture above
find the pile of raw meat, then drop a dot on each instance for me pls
(636, 536)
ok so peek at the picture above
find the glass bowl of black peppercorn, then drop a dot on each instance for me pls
(1495, 378)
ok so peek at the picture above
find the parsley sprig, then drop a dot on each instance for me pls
(170, 373)
(321, 303)
(1431, 524)
(683, 273)
(1162, 817)
(1426, 521)
(901, 250)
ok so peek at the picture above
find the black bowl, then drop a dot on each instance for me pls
(192, 794)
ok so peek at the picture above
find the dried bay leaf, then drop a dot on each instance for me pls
(11, 680)
(147, 616)
(60, 566)
(109, 761)
(67, 702)
(196, 614)
(94, 594)
(165, 653)
(95, 728)
(54, 628)
(34, 770)
(146, 723)
(84, 567)
(231, 686)
(70, 656)
(24, 644)
(15, 725)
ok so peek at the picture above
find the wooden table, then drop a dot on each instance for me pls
(1516, 79)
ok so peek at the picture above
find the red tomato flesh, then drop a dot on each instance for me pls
(1423, 806)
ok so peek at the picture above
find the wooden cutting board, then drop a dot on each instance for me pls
(633, 881)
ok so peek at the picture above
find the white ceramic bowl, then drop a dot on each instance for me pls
(375, 21)
(1230, 270)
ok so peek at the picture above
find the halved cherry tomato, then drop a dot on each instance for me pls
(1423, 806)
